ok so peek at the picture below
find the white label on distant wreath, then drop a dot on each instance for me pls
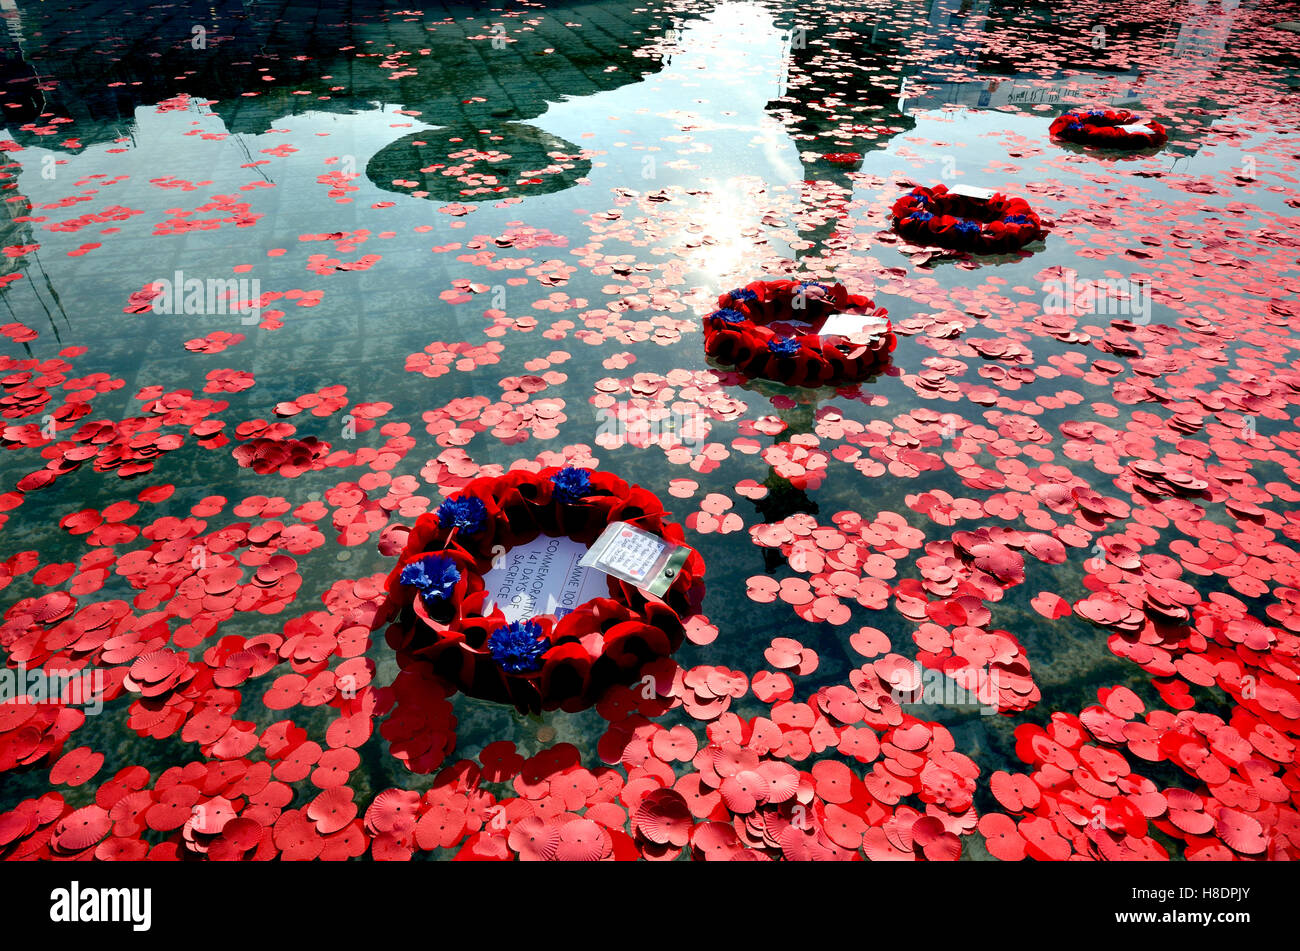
(1141, 127)
(970, 191)
(543, 577)
(844, 325)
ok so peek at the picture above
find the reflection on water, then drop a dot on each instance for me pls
(466, 164)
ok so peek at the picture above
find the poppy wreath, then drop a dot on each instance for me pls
(993, 226)
(1101, 127)
(439, 605)
(740, 333)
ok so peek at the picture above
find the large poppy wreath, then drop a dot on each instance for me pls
(1106, 128)
(773, 329)
(443, 615)
(986, 226)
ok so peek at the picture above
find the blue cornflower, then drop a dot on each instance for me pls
(435, 576)
(966, 226)
(921, 216)
(1017, 220)
(571, 484)
(1096, 113)
(727, 315)
(741, 294)
(1075, 127)
(921, 197)
(517, 647)
(467, 513)
(783, 346)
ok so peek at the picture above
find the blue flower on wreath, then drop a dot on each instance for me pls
(728, 316)
(966, 226)
(742, 294)
(519, 647)
(921, 197)
(1074, 127)
(1017, 220)
(1096, 113)
(434, 576)
(783, 346)
(468, 514)
(571, 484)
(920, 216)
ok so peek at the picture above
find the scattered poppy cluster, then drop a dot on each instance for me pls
(127, 446)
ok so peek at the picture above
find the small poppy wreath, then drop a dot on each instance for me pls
(753, 330)
(992, 226)
(1102, 127)
(438, 602)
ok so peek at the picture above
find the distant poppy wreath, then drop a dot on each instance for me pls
(740, 333)
(1102, 127)
(437, 596)
(936, 216)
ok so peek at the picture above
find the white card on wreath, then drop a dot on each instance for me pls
(972, 191)
(542, 577)
(844, 325)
